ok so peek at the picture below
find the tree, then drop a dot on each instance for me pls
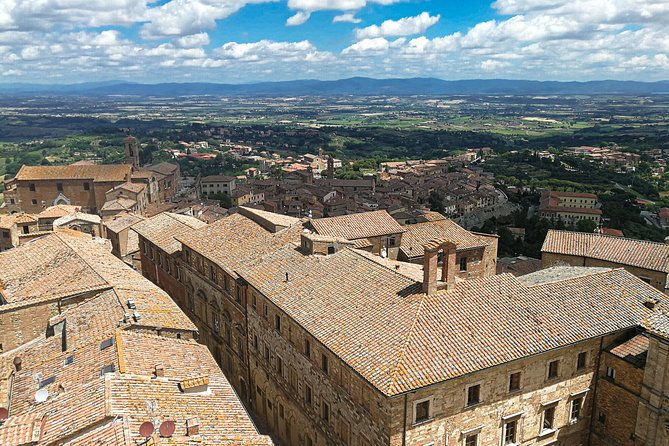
(436, 201)
(586, 226)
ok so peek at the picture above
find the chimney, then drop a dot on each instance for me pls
(431, 265)
(192, 427)
(17, 363)
(160, 371)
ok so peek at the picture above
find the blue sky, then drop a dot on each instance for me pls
(64, 41)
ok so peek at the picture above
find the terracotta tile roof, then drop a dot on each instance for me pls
(84, 404)
(135, 188)
(59, 210)
(634, 350)
(163, 168)
(22, 219)
(119, 204)
(269, 220)
(417, 235)
(94, 172)
(122, 222)
(217, 179)
(640, 253)
(234, 241)
(69, 263)
(163, 229)
(381, 324)
(79, 216)
(356, 226)
(658, 324)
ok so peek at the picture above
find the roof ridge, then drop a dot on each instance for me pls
(402, 353)
(570, 279)
(356, 251)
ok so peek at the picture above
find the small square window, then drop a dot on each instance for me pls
(553, 369)
(473, 394)
(34, 201)
(463, 264)
(31, 186)
(422, 411)
(472, 440)
(611, 373)
(87, 186)
(59, 187)
(514, 382)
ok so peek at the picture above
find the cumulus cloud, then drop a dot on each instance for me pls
(192, 41)
(348, 17)
(306, 7)
(265, 51)
(402, 27)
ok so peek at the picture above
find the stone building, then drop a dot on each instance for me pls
(377, 231)
(92, 353)
(169, 179)
(85, 185)
(217, 184)
(647, 260)
(476, 252)
(331, 345)
(124, 239)
(160, 251)
(570, 207)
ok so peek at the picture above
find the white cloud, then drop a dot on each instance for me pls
(298, 19)
(493, 65)
(306, 7)
(402, 27)
(348, 17)
(265, 51)
(192, 41)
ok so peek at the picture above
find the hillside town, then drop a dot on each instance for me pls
(315, 310)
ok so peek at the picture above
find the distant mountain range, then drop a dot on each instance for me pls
(353, 86)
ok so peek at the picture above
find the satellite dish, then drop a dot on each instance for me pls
(42, 395)
(167, 428)
(4, 413)
(384, 253)
(146, 429)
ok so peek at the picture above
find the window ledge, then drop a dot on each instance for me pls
(468, 406)
(425, 421)
(547, 432)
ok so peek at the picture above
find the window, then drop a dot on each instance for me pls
(510, 432)
(266, 353)
(421, 410)
(31, 186)
(473, 394)
(279, 365)
(553, 369)
(59, 187)
(239, 295)
(581, 360)
(602, 417)
(277, 322)
(331, 250)
(87, 186)
(611, 373)
(514, 382)
(265, 311)
(549, 419)
(325, 412)
(472, 440)
(307, 348)
(34, 201)
(463, 263)
(345, 431)
(324, 363)
(255, 341)
(308, 395)
(254, 301)
(576, 405)
(212, 273)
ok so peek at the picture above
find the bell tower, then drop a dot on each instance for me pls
(131, 147)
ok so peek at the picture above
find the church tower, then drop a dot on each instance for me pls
(330, 168)
(131, 151)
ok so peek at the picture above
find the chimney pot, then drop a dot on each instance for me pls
(17, 363)
(192, 427)
(160, 370)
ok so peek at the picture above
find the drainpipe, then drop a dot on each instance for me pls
(404, 422)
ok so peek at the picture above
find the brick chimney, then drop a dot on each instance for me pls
(431, 265)
(192, 427)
